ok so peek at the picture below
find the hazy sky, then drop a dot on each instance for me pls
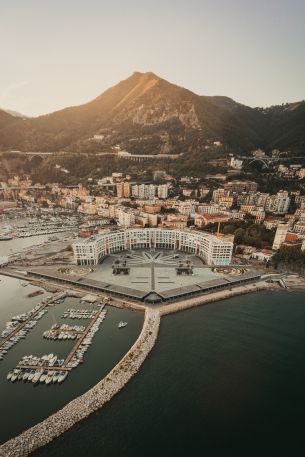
(57, 53)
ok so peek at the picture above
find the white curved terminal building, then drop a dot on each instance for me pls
(213, 250)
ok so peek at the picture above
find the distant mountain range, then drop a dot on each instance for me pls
(14, 113)
(147, 114)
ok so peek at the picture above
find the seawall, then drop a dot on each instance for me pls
(81, 407)
(215, 296)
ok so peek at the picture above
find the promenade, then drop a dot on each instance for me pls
(81, 407)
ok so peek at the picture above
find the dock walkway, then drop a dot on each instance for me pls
(23, 324)
(81, 407)
(81, 339)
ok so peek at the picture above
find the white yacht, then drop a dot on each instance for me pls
(62, 376)
(49, 377)
(9, 374)
(122, 324)
(44, 375)
(37, 376)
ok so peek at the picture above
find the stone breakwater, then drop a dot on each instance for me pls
(215, 296)
(81, 407)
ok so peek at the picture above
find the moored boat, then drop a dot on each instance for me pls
(15, 374)
(26, 375)
(9, 374)
(62, 376)
(5, 237)
(56, 376)
(49, 377)
(37, 376)
(44, 375)
(31, 375)
(122, 324)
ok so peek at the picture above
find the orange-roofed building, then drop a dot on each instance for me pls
(152, 209)
(204, 219)
(292, 237)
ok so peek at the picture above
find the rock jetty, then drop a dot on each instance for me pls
(81, 407)
(215, 296)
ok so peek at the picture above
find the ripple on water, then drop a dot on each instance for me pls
(226, 379)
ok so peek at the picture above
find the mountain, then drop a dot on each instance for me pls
(287, 126)
(14, 113)
(147, 114)
(6, 119)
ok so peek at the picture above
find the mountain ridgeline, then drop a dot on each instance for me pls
(146, 114)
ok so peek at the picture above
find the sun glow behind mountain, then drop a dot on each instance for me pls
(64, 53)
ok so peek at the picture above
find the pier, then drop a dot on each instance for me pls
(35, 367)
(22, 325)
(81, 407)
(68, 330)
(65, 366)
(81, 339)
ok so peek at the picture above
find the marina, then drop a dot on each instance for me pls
(213, 387)
(63, 332)
(39, 226)
(79, 314)
(55, 366)
(39, 400)
(49, 368)
(91, 401)
(17, 328)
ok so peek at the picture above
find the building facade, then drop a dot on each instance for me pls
(280, 236)
(162, 191)
(213, 250)
(279, 203)
(123, 189)
(126, 217)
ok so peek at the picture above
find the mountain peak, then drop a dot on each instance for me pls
(149, 74)
(146, 77)
(127, 90)
(147, 114)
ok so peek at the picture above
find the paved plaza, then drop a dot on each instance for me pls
(153, 270)
(151, 275)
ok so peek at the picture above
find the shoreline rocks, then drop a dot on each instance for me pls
(81, 407)
(213, 297)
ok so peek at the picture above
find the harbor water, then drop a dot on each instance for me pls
(225, 379)
(24, 404)
(22, 244)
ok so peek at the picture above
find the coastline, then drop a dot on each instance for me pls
(215, 296)
(81, 407)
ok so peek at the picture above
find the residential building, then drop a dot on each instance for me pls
(208, 208)
(241, 186)
(123, 189)
(217, 194)
(279, 203)
(214, 250)
(126, 217)
(280, 236)
(236, 163)
(162, 191)
(299, 227)
(204, 219)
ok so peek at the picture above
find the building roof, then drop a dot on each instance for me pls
(290, 236)
(150, 296)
